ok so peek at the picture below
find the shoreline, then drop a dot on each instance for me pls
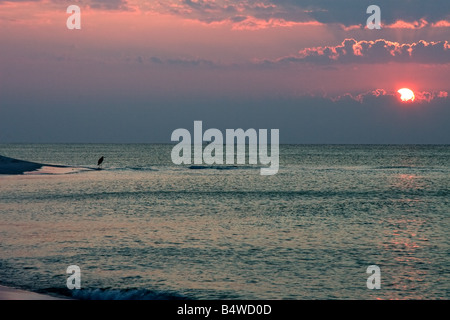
(9, 293)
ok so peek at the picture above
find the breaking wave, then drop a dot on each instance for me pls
(125, 294)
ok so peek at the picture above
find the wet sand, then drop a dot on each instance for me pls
(7, 293)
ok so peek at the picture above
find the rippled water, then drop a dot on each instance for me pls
(145, 228)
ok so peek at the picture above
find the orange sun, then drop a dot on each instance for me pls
(406, 94)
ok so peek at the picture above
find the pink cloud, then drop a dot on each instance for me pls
(421, 97)
(400, 24)
(251, 23)
(442, 23)
(378, 51)
(351, 27)
(403, 24)
(429, 96)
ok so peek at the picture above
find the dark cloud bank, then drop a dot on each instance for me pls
(344, 12)
(379, 119)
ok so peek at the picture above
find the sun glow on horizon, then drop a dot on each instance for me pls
(406, 95)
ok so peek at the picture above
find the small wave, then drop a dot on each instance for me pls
(132, 169)
(401, 167)
(125, 294)
(201, 167)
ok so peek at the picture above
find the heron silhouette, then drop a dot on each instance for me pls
(100, 161)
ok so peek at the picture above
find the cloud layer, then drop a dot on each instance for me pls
(421, 97)
(261, 14)
(379, 51)
(411, 14)
(93, 4)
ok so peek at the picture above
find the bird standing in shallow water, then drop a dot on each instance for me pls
(100, 161)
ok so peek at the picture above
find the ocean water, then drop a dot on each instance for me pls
(143, 228)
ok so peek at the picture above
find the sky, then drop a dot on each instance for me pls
(137, 70)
